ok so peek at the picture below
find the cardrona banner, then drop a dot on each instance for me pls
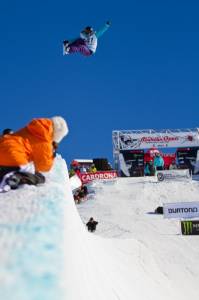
(102, 175)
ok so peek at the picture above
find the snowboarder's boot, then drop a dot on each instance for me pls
(65, 47)
(65, 43)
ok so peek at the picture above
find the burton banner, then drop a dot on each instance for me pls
(181, 210)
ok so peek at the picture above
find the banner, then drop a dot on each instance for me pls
(190, 227)
(102, 175)
(181, 210)
(173, 175)
(145, 139)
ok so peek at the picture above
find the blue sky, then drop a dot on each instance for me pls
(143, 75)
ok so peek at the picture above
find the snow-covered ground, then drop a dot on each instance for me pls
(46, 252)
(162, 264)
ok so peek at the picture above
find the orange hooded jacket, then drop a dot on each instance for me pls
(32, 143)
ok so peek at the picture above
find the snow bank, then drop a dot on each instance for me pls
(31, 239)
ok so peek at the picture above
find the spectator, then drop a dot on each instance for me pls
(77, 171)
(92, 169)
(158, 162)
(146, 169)
(71, 172)
(149, 169)
(75, 168)
(80, 194)
(32, 149)
(91, 225)
(173, 165)
(83, 169)
(77, 197)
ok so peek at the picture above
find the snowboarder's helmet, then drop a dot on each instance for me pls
(88, 29)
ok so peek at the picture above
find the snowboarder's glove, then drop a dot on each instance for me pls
(108, 23)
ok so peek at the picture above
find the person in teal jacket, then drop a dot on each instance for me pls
(158, 162)
(86, 44)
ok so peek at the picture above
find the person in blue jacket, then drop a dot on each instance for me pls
(158, 162)
(149, 169)
(86, 44)
(146, 169)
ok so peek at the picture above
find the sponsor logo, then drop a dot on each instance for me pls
(98, 175)
(190, 227)
(172, 175)
(159, 139)
(186, 227)
(182, 210)
(160, 177)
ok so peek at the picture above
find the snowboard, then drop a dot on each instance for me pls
(65, 46)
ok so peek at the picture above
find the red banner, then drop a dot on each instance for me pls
(104, 175)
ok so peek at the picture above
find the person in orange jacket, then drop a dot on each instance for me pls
(32, 148)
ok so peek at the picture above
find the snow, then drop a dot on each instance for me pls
(46, 251)
(162, 263)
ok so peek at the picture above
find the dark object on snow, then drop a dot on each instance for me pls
(6, 170)
(80, 194)
(159, 210)
(91, 225)
(19, 178)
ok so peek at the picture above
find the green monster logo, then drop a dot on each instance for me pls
(187, 227)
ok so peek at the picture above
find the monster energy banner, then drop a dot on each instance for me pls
(181, 210)
(190, 227)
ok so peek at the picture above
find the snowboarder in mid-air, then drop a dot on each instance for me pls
(86, 44)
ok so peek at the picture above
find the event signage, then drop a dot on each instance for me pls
(190, 227)
(181, 210)
(173, 175)
(124, 140)
(102, 175)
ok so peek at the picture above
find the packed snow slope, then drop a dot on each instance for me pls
(47, 253)
(148, 256)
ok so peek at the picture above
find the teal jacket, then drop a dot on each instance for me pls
(158, 161)
(102, 30)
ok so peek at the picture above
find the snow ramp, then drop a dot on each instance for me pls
(47, 254)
